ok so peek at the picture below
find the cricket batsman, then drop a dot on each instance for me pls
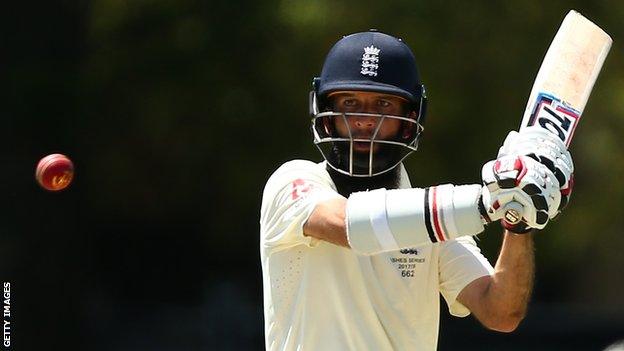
(354, 256)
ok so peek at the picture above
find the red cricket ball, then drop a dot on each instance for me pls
(55, 172)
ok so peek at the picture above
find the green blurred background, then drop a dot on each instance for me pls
(175, 114)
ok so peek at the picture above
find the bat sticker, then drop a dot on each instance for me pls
(555, 116)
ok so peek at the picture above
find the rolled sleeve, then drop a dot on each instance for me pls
(461, 262)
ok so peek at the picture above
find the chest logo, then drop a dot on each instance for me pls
(300, 188)
(409, 252)
(406, 263)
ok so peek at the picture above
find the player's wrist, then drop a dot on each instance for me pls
(482, 207)
(520, 228)
(511, 233)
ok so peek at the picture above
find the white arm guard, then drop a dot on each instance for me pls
(386, 220)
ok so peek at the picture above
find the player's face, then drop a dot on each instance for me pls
(364, 127)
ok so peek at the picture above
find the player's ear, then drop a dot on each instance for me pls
(327, 125)
(409, 128)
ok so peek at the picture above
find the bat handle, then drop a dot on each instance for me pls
(513, 213)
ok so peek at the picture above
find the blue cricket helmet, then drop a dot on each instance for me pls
(390, 67)
(375, 62)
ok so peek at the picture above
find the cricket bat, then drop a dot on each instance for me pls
(564, 83)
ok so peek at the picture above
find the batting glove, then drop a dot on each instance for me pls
(547, 149)
(520, 180)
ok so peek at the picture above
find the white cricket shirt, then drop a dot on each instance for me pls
(322, 297)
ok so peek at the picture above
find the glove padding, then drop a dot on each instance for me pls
(523, 180)
(547, 149)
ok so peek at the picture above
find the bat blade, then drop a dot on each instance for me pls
(563, 83)
(567, 76)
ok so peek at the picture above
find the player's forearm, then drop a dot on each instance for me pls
(327, 222)
(512, 282)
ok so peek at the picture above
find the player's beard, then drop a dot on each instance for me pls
(384, 157)
(346, 184)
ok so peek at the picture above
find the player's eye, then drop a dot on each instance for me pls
(384, 103)
(349, 102)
